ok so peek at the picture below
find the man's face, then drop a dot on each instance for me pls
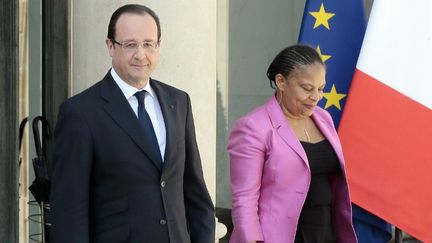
(134, 66)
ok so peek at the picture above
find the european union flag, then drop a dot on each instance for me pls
(336, 29)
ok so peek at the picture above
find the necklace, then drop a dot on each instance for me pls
(288, 118)
(306, 132)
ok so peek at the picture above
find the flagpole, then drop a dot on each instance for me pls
(398, 235)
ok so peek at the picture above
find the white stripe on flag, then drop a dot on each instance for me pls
(397, 48)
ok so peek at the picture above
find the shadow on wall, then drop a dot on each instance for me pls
(223, 191)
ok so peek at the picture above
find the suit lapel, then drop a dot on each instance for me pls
(168, 106)
(119, 110)
(283, 129)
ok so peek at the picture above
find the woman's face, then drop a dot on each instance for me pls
(299, 93)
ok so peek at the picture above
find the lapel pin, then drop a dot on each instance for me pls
(172, 107)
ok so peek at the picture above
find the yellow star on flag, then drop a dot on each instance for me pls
(333, 98)
(324, 58)
(322, 17)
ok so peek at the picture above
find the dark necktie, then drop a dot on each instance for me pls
(146, 123)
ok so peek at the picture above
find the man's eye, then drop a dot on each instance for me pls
(148, 45)
(130, 45)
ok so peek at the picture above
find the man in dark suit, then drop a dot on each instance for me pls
(126, 166)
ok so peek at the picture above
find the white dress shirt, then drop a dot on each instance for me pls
(152, 107)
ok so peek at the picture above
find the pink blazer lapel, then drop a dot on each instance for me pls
(283, 129)
(329, 133)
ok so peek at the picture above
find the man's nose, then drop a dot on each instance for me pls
(140, 53)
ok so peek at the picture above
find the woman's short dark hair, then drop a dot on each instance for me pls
(134, 9)
(291, 58)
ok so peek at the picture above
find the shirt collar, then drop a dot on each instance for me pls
(127, 89)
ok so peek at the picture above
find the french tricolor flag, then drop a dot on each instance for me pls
(386, 127)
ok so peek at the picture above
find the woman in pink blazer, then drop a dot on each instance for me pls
(288, 176)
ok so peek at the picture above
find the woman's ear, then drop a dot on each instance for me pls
(280, 81)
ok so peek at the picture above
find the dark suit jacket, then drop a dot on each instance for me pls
(108, 187)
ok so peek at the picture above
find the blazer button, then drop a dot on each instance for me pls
(163, 183)
(162, 222)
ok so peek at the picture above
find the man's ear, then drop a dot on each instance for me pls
(110, 46)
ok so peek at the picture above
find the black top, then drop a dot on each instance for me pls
(315, 219)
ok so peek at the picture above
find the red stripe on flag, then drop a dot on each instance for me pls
(387, 142)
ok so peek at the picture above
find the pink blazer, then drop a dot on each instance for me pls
(270, 177)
